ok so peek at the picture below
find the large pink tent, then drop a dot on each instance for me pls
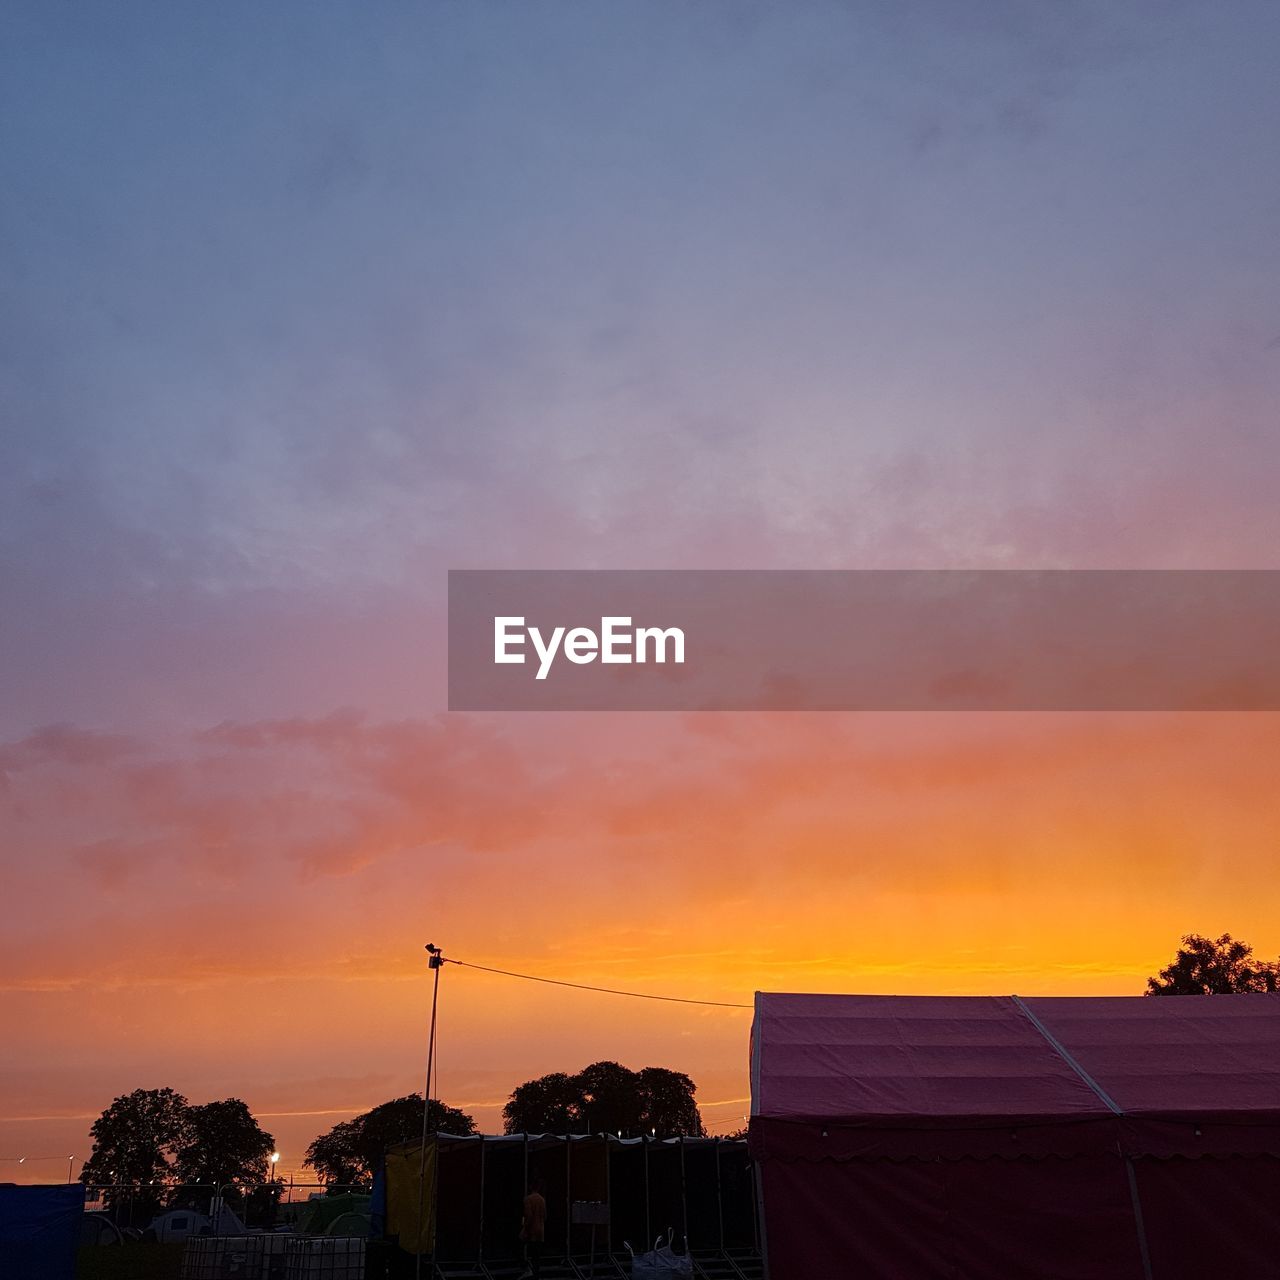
(996, 1137)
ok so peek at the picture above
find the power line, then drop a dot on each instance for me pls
(608, 991)
(732, 1124)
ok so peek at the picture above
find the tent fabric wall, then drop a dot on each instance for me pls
(1101, 1138)
(406, 1168)
(702, 1197)
(588, 1180)
(549, 1161)
(505, 1184)
(476, 1186)
(459, 1210)
(932, 1220)
(1004, 1219)
(631, 1219)
(40, 1231)
(1211, 1215)
(737, 1196)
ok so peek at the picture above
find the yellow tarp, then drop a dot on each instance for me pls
(407, 1188)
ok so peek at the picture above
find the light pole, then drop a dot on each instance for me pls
(435, 962)
(271, 1208)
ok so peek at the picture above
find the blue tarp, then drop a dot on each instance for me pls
(40, 1231)
(378, 1204)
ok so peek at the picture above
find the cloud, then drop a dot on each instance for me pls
(65, 744)
(113, 865)
(320, 849)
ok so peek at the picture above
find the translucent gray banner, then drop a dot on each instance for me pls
(872, 640)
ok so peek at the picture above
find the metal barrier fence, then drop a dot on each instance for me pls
(701, 1189)
(274, 1257)
(229, 1208)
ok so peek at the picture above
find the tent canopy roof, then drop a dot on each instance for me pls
(898, 1063)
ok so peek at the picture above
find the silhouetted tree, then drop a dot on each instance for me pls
(549, 1104)
(606, 1097)
(135, 1139)
(609, 1099)
(222, 1143)
(352, 1150)
(1214, 967)
(333, 1155)
(667, 1103)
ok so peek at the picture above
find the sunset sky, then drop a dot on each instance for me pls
(303, 306)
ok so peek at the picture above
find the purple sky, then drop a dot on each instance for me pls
(301, 309)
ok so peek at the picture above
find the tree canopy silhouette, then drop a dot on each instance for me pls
(155, 1137)
(606, 1097)
(1214, 967)
(351, 1151)
(221, 1142)
(135, 1139)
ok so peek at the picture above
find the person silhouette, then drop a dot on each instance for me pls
(533, 1229)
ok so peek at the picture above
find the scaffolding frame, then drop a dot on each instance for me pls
(714, 1255)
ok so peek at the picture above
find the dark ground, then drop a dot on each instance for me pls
(129, 1262)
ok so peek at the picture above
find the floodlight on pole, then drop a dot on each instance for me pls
(435, 962)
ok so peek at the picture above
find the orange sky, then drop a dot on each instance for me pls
(267, 941)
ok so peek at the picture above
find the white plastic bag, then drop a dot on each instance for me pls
(661, 1263)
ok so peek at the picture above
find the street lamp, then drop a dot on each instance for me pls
(435, 962)
(275, 1160)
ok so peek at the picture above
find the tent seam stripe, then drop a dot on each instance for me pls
(1135, 1200)
(1061, 1050)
